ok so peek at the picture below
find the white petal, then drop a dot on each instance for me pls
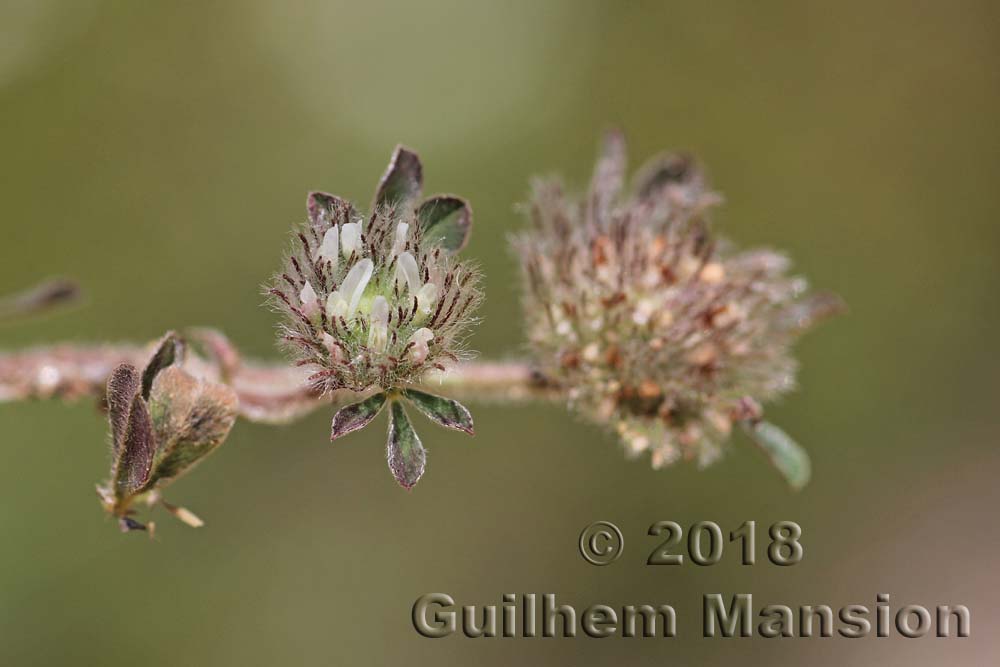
(336, 304)
(307, 297)
(380, 311)
(407, 272)
(420, 338)
(400, 241)
(350, 239)
(355, 283)
(328, 249)
(378, 331)
(426, 297)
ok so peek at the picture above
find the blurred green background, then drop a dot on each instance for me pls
(160, 151)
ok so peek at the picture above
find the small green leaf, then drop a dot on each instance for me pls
(123, 385)
(406, 453)
(784, 453)
(322, 207)
(167, 352)
(356, 416)
(191, 418)
(663, 170)
(446, 220)
(444, 411)
(402, 181)
(135, 460)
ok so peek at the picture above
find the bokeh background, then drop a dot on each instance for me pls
(159, 152)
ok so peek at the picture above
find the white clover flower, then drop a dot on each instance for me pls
(397, 306)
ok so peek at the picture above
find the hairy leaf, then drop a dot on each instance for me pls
(402, 181)
(135, 460)
(123, 385)
(446, 220)
(784, 453)
(444, 411)
(167, 352)
(191, 419)
(406, 453)
(356, 416)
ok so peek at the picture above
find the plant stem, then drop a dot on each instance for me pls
(268, 392)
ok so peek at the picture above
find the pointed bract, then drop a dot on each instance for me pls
(406, 454)
(356, 416)
(402, 181)
(444, 411)
(168, 351)
(326, 208)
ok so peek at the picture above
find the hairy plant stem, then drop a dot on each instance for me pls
(268, 392)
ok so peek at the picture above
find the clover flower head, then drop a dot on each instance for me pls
(371, 303)
(650, 323)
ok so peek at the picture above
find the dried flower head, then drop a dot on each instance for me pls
(370, 304)
(653, 325)
(163, 422)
